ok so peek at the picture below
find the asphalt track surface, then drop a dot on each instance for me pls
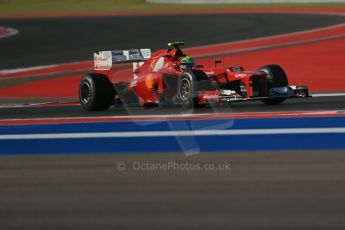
(262, 190)
(298, 104)
(51, 41)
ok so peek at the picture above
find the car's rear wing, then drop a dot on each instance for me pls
(103, 60)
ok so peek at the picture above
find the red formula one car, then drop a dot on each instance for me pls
(170, 77)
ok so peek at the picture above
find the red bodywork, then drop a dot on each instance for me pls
(157, 78)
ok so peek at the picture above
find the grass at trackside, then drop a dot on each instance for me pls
(37, 7)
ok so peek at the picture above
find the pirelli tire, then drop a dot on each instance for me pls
(96, 92)
(189, 84)
(276, 77)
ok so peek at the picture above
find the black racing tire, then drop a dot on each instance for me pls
(96, 92)
(276, 77)
(188, 86)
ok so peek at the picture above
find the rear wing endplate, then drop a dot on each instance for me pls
(103, 60)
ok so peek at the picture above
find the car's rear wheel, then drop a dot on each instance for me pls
(276, 77)
(188, 86)
(95, 92)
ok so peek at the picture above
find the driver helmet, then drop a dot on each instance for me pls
(186, 62)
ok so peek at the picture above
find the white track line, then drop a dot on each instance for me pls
(173, 133)
(9, 71)
(25, 69)
(328, 94)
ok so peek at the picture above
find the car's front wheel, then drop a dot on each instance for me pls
(276, 77)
